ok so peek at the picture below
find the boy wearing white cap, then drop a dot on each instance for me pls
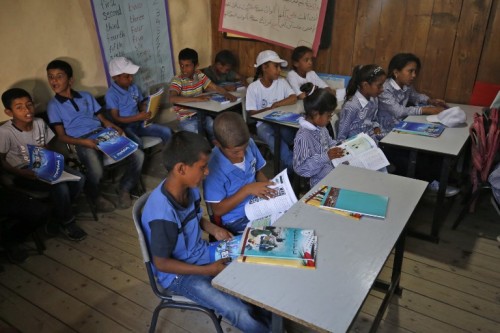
(127, 105)
(269, 91)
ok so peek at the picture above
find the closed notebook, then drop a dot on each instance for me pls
(284, 117)
(425, 129)
(374, 205)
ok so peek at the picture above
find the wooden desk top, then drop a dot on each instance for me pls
(351, 254)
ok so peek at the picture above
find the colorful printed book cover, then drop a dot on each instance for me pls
(284, 117)
(113, 144)
(229, 248)
(432, 130)
(317, 197)
(279, 242)
(153, 106)
(309, 264)
(356, 202)
(183, 113)
(47, 165)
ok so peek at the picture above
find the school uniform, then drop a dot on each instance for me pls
(359, 115)
(396, 103)
(225, 179)
(127, 104)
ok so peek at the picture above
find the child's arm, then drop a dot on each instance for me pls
(213, 87)
(292, 99)
(106, 123)
(140, 116)
(260, 189)
(25, 172)
(63, 137)
(214, 230)
(261, 177)
(175, 97)
(173, 266)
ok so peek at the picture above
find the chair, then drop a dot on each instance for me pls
(167, 299)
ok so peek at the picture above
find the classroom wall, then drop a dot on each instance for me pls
(455, 40)
(34, 32)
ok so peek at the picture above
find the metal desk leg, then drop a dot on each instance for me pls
(393, 287)
(439, 212)
(277, 149)
(201, 122)
(412, 164)
(277, 323)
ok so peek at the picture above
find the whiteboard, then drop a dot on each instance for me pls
(140, 31)
(288, 23)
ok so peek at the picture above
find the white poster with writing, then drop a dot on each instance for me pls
(140, 31)
(288, 23)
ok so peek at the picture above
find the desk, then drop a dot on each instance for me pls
(449, 145)
(294, 108)
(211, 107)
(351, 254)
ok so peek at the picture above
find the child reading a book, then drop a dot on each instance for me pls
(189, 86)
(359, 112)
(23, 130)
(221, 72)
(172, 222)
(75, 116)
(127, 105)
(302, 72)
(236, 172)
(313, 147)
(269, 91)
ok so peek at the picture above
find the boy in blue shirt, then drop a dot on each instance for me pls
(172, 223)
(77, 115)
(127, 105)
(236, 172)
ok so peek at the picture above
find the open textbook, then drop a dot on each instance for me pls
(361, 151)
(153, 106)
(258, 208)
(113, 144)
(48, 165)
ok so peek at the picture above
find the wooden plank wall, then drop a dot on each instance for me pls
(454, 40)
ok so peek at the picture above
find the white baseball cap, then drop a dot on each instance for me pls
(121, 65)
(450, 117)
(269, 55)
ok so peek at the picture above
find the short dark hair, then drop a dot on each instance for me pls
(225, 57)
(11, 94)
(317, 99)
(400, 60)
(62, 65)
(231, 130)
(298, 53)
(185, 147)
(189, 54)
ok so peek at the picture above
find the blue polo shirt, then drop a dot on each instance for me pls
(125, 101)
(78, 115)
(174, 231)
(225, 179)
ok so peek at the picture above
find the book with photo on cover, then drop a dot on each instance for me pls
(48, 165)
(221, 98)
(153, 106)
(116, 146)
(361, 151)
(284, 117)
(368, 204)
(425, 129)
(227, 248)
(316, 198)
(279, 243)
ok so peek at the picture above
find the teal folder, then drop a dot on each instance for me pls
(356, 202)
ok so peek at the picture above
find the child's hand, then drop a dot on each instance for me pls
(89, 143)
(377, 130)
(437, 102)
(261, 189)
(230, 97)
(335, 152)
(27, 173)
(221, 233)
(230, 87)
(202, 98)
(218, 266)
(143, 115)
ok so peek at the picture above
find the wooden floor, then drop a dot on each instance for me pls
(100, 284)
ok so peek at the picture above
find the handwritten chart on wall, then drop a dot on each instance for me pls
(140, 31)
(288, 23)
